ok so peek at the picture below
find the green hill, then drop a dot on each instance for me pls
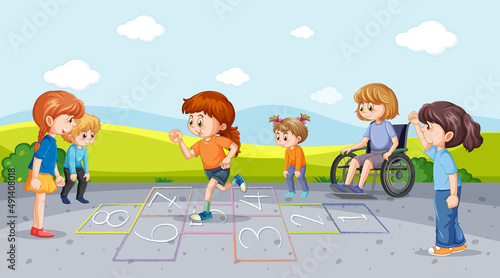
(125, 154)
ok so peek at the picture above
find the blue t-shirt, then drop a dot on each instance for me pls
(75, 157)
(380, 135)
(444, 165)
(48, 154)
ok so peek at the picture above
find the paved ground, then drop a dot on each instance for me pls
(399, 252)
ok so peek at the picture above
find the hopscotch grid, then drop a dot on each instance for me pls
(313, 205)
(139, 214)
(110, 204)
(355, 204)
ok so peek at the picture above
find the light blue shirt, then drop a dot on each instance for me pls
(444, 165)
(75, 157)
(380, 135)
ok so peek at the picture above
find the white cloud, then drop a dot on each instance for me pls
(303, 32)
(143, 27)
(75, 74)
(234, 76)
(430, 36)
(328, 95)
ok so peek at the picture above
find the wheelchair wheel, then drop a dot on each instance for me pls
(340, 167)
(398, 175)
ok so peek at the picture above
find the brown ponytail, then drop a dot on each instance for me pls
(216, 105)
(54, 104)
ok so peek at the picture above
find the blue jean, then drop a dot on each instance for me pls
(302, 179)
(448, 232)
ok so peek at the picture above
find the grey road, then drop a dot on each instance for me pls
(252, 234)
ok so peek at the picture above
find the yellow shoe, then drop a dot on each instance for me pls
(439, 251)
(459, 248)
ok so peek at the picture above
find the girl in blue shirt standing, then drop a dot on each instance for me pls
(446, 126)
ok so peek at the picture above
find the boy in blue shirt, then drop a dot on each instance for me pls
(82, 135)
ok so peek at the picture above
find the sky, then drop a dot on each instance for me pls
(258, 47)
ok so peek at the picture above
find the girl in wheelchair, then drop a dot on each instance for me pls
(377, 103)
(446, 126)
(290, 132)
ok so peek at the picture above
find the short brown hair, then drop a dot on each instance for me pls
(87, 122)
(378, 93)
(296, 125)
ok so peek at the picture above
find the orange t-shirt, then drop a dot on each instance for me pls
(211, 151)
(295, 158)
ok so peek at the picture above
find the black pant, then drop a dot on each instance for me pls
(82, 183)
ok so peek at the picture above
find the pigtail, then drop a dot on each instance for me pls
(274, 119)
(472, 138)
(304, 117)
(41, 134)
(233, 134)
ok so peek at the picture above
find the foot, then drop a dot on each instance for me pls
(337, 187)
(439, 251)
(32, 231)
(353, 189)
(65, 200)
(82, 200)
(458, 249)
(42, 233)
(241, 182)
(304, 194)
(201, 217)
(289, 194)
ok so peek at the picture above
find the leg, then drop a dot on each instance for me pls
(289, 179)
(69, 183)
(227, 186)
(302, 179)
(367, 167)
(82, 182)
(459, 239)
(39, 209)
(210, 189)
(445, 220)
(353, 167)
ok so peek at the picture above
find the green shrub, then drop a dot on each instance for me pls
(322, 179)
(424, 171)
(167, 180)
(466, 177)
(21, 158)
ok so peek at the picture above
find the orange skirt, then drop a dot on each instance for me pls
(48, 183)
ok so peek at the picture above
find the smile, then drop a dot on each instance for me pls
(64, 131)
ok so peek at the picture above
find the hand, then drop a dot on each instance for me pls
(386, 155)
(60, 181)
(72, 177)
(226, 163)
(35, 184)
(175, 136)
(285, 173)
(346, 150)
(413, 118)
(86, 176)
(297, 174)
(452, 201)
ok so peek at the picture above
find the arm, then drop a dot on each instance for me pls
(176, 137)
(287, 163)
(226, 163)
(394, 146)
(35, 183)
(300, 158)
(453, 200)
(71, 158)
(86, 165)
(361, 144)
(413, 118)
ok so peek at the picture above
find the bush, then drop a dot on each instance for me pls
(164, 180)
(424, 171)
(21, 158)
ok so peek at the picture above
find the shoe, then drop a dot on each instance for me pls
(353, 189)
(82, 200)
(32, 231)
(304, 194)
(439, 251)
(458, 249)
(337, 187)
(289, 194)
(201, 217)
(241, 182)
(42, 233)
(65, 200)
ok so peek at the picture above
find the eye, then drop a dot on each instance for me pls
(429, 126)
(285, 137)
(70, 120)
(277, 136)
(200, 122)
(84, 136)
(190, 121)
(92, 135)
(361, 107)
(370, 106)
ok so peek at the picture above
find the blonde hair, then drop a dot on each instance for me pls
(87, 122)
(296, 126)
(378, 93)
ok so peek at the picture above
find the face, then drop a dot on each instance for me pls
(85, 138)
(203, 125)
(371, 111)
(286, 139)
(61, 124)
(435, 135)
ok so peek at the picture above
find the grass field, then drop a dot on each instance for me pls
(125, 154)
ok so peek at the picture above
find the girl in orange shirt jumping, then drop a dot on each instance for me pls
(211, 113)
(289, 132)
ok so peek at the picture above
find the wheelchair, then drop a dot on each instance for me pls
(397, 174)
